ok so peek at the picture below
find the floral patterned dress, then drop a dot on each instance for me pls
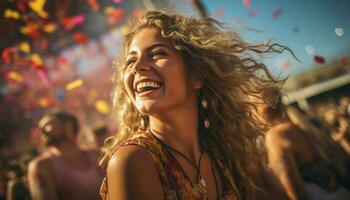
(175, 182)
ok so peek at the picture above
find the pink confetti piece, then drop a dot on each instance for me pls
(219, 11)
(277, 13)
(43, 76)
(117, 1)
(246, 3)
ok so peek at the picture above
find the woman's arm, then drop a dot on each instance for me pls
(282, 162)
(131, 174)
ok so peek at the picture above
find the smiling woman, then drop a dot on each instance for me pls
(183, 92)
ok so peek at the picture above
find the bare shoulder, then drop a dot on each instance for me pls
(40, 163)
(280, 135)
(131, 169)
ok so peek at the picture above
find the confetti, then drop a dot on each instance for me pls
(286, 65)
(277, 13)
(11, 14)
(43, 76)
(339, 31)
(94, 5)
(80, 37)
(6, 54)
(113, 15)
(72, 22)
(24, 46)
(319, 59)
(36, 59)
(219, 11)
(246, 3)
(117, 1)
(38, 6)
(49, 28)
(138, 13)
(252, 13)
(102, 106)
(310, 49)
(296, 29)
(74, 84)
(12, 75)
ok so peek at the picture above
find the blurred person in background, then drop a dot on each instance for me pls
(17, 186)
(100, 134)
(63, 171)
(307, 161)
(337, 118)
(186, 130)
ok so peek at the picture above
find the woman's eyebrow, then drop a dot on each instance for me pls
(152, 47)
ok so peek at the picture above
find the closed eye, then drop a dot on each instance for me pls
(157, 53)
(130, 61)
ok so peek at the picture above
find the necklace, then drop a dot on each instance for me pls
(199, 178)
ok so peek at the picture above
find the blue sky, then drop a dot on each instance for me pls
(316, 21)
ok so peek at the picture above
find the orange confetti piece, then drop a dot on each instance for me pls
(36, 59)
(24, 46)
(102, 106)
(37, 6)
(113, 15)
(74, 84)
(14, 76)
(49, 28)
(94, 5)
(11, 14)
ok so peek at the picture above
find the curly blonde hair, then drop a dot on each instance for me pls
(224, 62)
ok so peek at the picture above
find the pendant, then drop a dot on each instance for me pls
(202, 182)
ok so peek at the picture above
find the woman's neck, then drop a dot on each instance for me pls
(179, 130)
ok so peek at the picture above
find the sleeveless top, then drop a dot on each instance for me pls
(73, 184)
(175, 183)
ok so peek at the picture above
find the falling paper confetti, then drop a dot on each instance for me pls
(36, 59)
(43, 76)
(94, 5)
(246, 3)
(310, 49)
(14, 76)
(219, 11)
(277, 13)
(296, 29)
(6, 54)
(285, 65)
(117, 1)
(113, 15)
(38, 6)
(74, 84)
(24, 46)
(49, 28)
(102, 106)
(319, 59)
(80, 37)
(339, 31)
(72, 22)
(11, 14)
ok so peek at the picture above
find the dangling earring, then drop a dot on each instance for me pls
(203, 111)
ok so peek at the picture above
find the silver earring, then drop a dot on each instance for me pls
(203, 111)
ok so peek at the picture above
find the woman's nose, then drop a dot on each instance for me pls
(141, 65)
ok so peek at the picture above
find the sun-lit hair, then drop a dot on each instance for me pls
(228, 67)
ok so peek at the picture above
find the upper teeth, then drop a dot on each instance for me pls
(147, 84)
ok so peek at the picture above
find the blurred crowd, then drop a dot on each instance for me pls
(324, 129)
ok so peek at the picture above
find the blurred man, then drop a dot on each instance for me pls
(63, 171)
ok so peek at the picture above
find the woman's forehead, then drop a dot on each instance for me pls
(147, 37)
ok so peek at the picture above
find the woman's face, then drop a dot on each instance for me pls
(155, 77)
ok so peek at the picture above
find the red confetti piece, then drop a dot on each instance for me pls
(94, 5)
(219, 11)
(277, 13)
(6, 54)
(246, 3)
(80, 37)
(115, 16)
(319, 59)
(71, 22)
(62, 60)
